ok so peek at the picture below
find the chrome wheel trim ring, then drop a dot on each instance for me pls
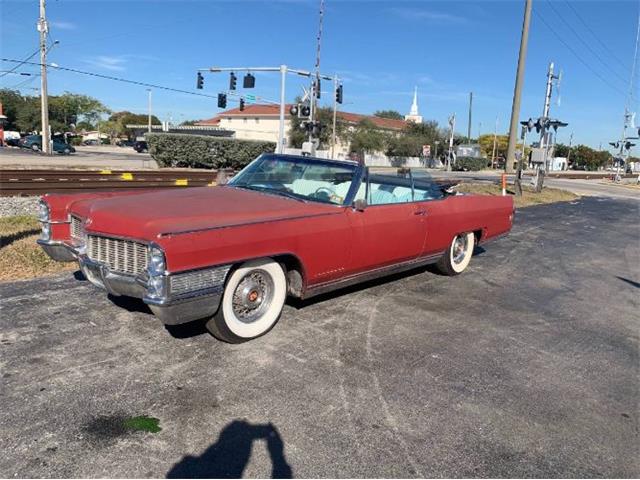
(252, 296)
(459, 249)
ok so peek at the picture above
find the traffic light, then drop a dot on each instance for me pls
(317, 87)
(232, 81)
(222, 100)
(249, 81)
(199, 81)
(339, 94)
(241, 104)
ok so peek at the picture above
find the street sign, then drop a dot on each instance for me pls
(426, 150)
(250, 98)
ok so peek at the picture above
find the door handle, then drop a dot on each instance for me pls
(420, 212)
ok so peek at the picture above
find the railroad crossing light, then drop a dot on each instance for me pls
(199, 81)
(232, 81)
(241, 104)
(294, 110)
(339, 94)
(222, 100)
(249, 81)
(305, 111)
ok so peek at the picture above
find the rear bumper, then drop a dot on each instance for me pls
(170, 311)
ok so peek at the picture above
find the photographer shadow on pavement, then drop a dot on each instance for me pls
(228, 457)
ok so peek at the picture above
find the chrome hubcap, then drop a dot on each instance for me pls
(252, 296)
(459, 249)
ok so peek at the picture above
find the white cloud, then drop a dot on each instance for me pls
(427, 15)
(63, 25)
(113, 63)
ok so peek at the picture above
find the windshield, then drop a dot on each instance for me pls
(305, 179)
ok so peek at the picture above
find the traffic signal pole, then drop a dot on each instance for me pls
(335, 115)
(284, 70)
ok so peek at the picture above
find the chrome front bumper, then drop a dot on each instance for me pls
(170, 311)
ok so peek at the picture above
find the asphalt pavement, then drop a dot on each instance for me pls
(526, 365)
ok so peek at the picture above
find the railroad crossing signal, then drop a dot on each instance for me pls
(199, 81)
(232, 81)
(222, 100)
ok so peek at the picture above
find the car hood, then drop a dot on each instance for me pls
(163, 212)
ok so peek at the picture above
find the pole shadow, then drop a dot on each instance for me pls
(228, 457)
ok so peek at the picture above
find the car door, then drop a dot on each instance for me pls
(390, 229)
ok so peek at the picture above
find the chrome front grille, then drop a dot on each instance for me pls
(122, 256)
(182, 283)
(77, 230)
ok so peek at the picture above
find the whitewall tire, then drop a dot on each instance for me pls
(251, 303)
(457, 257)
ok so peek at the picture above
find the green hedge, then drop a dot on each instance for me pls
(201, 151)
(472, 164)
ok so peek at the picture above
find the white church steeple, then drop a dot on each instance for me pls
(414, 115)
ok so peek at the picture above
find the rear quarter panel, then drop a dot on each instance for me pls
(490, 215)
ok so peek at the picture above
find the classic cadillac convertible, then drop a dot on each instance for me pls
(285, 225)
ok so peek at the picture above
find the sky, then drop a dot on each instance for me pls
(381, 50)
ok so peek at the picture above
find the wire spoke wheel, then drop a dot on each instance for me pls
(253, 296)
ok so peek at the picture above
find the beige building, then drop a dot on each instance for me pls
(261, 122)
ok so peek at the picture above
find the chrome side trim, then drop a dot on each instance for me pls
(325, 287)
(257, 222)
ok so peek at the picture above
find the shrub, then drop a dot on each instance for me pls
(470, 163)
(201, 151)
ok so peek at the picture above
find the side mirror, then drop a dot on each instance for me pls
(360, 205)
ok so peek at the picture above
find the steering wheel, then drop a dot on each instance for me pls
(326, 190)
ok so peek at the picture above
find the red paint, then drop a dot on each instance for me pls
(205, 226)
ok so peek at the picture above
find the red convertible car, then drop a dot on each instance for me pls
(285, 225)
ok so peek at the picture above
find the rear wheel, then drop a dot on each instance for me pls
(457, 257)
(251, 303)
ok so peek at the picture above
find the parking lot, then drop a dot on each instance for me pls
(526, 365)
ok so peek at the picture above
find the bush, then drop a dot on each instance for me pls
(470, 164)
(201, 151)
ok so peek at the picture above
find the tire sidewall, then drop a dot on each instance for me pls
(460, 267)
(246, 331)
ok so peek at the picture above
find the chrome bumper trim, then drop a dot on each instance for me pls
(184, 310)
(58, 251)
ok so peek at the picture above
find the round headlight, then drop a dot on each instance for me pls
(43, 211)
(156, 264)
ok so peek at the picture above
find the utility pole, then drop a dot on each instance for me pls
(452, 123)
(469, 124)
(283, 81)
(43, 28)
(569, 153)
(315, 83)
(149, 105)
(517, 91)
(495, 141)
(335, 115)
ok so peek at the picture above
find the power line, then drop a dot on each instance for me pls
(595, 54)
(586, 64)
(604, 46)
(20, 63)
(108, 77)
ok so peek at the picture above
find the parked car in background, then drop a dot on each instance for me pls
(141, 146)
(34, 142)
(12, 142)
(125, 143)
(90, 142)
(285, 225)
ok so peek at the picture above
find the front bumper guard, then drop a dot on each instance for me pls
(171, 311)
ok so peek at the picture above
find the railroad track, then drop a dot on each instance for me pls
(14, 182)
